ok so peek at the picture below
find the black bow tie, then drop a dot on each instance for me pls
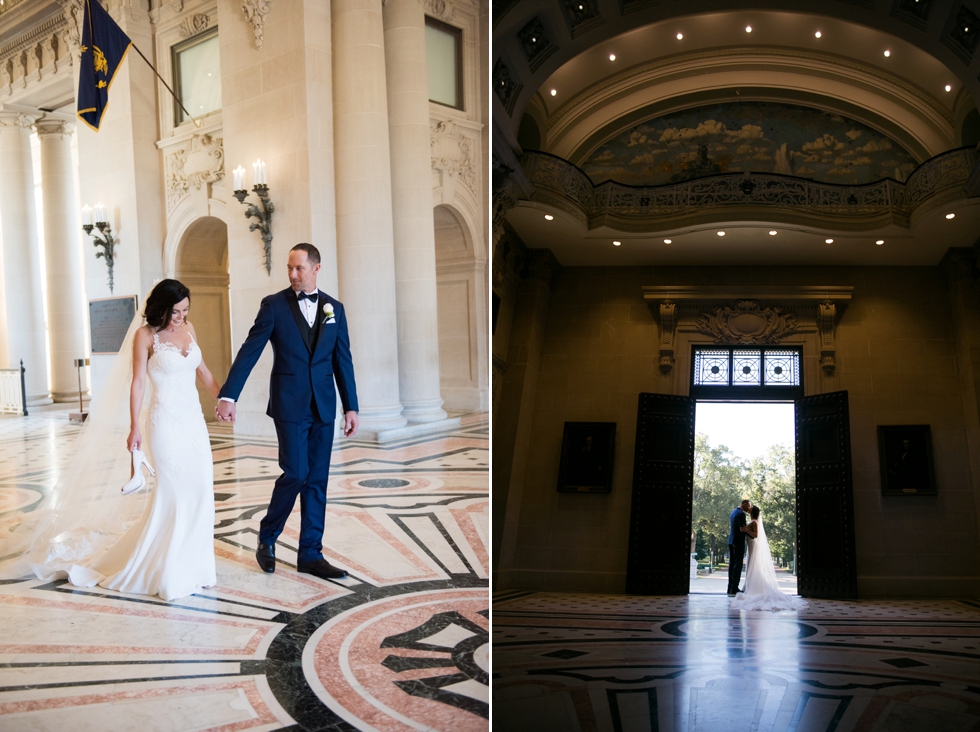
(311, 296)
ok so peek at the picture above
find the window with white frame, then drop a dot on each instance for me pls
(197, 76)
(444, 63)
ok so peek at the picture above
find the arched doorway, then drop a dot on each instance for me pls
(202, 265)
(462, 308)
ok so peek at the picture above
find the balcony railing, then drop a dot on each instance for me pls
(944, 173)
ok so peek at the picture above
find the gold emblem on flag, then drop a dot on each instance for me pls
(100, 63)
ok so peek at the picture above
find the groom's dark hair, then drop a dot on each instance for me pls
(312, 253)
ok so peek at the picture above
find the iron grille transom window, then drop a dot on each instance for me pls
(746, 372)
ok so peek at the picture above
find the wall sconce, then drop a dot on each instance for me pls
(263, 216)
(106, 242)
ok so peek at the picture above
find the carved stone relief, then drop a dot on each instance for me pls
(452, 151)
(255, 12)
(826, 315)
(198, 161)
(194, 25)
(440, 9)
(668, 326)
(747, 322)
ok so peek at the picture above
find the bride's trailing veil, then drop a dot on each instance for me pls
(84, 513)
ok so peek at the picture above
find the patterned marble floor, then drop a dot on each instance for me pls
(565, 662)
(402, 644)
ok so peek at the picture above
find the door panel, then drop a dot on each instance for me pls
(663, 481)
(826, 564)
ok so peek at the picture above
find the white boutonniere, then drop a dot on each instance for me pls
(327, 313)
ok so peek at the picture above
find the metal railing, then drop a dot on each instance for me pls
(13, 391)
(941, 173)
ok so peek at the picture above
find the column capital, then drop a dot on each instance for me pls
(50, 126)
(14, 118)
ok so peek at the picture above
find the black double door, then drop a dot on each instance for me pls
(663, 485)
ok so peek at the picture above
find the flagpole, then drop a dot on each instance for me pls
(176, 98)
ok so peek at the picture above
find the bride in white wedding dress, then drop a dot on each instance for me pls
(761, 587)
(150, 543)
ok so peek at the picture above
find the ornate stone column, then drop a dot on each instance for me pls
(411, 193)
(365, 239)
(21, 256)
(63, 259)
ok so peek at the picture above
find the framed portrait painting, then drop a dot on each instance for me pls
(905, 454)
(587, 453)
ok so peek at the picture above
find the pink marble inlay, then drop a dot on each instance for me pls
(137, 611)
(368, 680)
(265, 716)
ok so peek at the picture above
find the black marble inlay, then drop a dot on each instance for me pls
(383, 483)
(565, 654)
(442, 531)
(903, 662)
(806, 696)
(614, 695)
(284, 669)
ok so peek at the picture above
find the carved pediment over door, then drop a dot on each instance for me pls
(748, 315)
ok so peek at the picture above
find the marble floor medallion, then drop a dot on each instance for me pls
(401, 644)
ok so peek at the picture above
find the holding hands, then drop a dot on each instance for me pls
(225, 411)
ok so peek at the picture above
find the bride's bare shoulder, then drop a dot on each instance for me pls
(144, 336)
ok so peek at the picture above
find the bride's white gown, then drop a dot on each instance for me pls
(761, 587)
(170, 551)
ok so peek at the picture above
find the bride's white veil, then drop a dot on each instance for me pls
(84, 513)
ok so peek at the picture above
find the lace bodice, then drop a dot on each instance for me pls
(173, 378)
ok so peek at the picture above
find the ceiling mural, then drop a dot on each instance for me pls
(762, 137)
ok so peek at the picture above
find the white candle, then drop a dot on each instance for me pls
(239, 178)
(100, 216)
(265, 182)
(255, 173)
(86, 216)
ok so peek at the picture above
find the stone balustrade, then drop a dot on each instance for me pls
(747, 195)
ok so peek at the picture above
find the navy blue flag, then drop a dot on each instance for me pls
(104, 46)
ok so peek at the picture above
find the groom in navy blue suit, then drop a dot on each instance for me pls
(311, 350)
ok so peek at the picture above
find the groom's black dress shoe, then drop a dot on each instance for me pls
(321, 568)
(266, 558)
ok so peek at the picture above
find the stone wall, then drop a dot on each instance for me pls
(896, 357)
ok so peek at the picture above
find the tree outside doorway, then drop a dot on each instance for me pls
(761, 467)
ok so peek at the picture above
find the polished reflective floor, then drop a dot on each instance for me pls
(614, 663)
(402, 644)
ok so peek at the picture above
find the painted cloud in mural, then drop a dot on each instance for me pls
(763, 137)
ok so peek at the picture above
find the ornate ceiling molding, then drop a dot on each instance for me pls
(887, 100)
(748, 315)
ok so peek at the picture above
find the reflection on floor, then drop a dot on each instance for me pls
(400, 645)
(717, 581)
(614, 663)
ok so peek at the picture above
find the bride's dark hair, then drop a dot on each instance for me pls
(755, 512)
(160, 303)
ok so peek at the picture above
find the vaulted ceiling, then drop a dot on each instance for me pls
(585, 71)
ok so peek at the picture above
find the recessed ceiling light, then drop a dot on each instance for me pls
(948, 88)
(617, 243)
(721, 233)
(880, 242)
(549, 217)
(612, 56)
(950, 216)
(772, 233)
(667, 241)
(817, 34)
(887, 54)
(680, 36)
(554, 92)
(828, 241)
(748, 29)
